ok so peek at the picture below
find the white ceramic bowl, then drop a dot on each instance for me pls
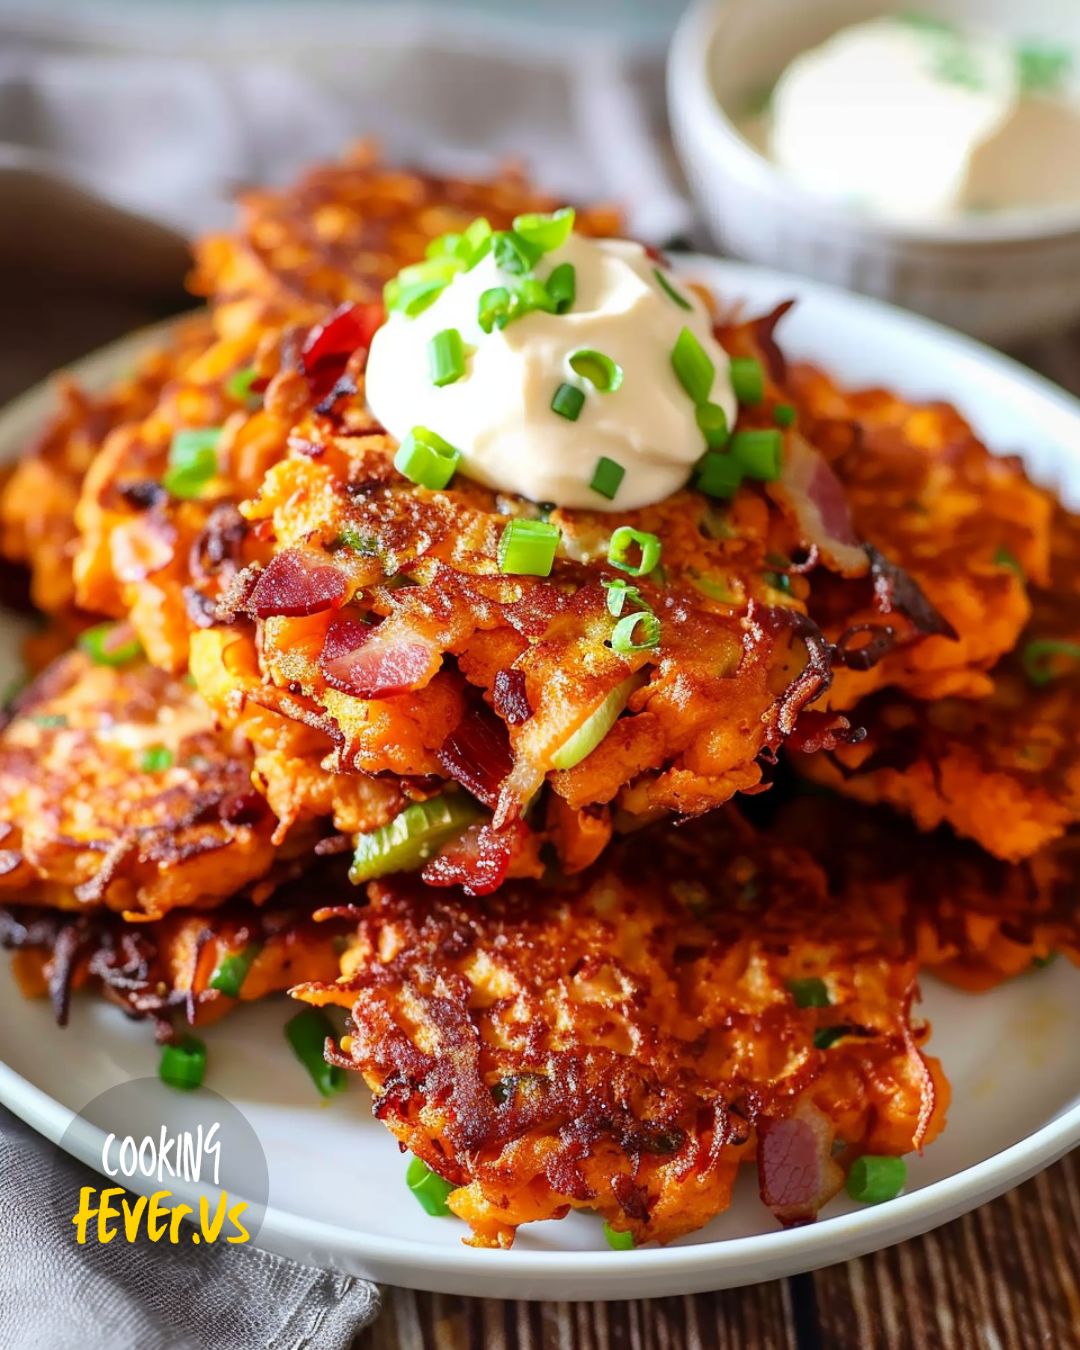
(337, 1189)
(1002, 277)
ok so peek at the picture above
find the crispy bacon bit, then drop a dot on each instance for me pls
(815, 498)
(344, 387)
(330, 344)
(812, 681)
(764, 330)
(217, 546)
(796, 1172)
(509, 697)
(293, 585)
(477, 860)
(370, 662)
(477, 755)
(895, 589)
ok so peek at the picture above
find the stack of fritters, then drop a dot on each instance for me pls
(567, 1002)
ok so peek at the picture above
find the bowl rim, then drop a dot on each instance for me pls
(689, 87)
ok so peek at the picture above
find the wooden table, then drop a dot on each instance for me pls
(1006, 1277)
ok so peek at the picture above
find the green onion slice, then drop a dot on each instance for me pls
(156, 759)
(446, 357)
(1004, 558)
(670, 291)
(621, 544)
(621, 594)
(425, 458)
(1041, 656)
(747, 379)
(429, 1188)
(527, 548)
(411, 838)
(809, 993)
(784, 415)
(183, 1065)
(618, 1240)
(513, 253)
(530, 295)
(193, 461)
(623, 639)
(493, 310)
(874, 1179)
(713, 424)
(568, 401)
(238, 385)
(719, 474)
(826, 1036)
(110, 644)
(308, 1033)
(597, 725)
(441, 270)
(562, 287)
(546, 232)
(693, 366)
(760, 452)
(231, 971)
(1043, 68)
(604, 374)
(475, 243)
(445, 246)
(607, 476)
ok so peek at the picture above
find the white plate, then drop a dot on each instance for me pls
(337, 1191)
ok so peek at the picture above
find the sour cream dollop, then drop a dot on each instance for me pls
(913, 119)
(499, 413)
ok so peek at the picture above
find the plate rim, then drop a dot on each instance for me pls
(648, 1271)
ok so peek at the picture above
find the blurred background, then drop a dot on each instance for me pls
(127, 126)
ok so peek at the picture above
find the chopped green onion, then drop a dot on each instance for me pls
(413, 300)
(446, 357)
(784, 415)
(530, 295)
(238, 385)
(411, 838)
(597, 725)
(493, 310)
(620, 545)
(475, 243)
(604, 374)
(760, 452)
(620, 594)
(622, 637)
(809, 993)
(527, 548)
(747, 379)
(618, 1240)
(429, 1188)
(562, 286)
(546, 232)
(308, 1033)
(514, 254)
(568, 401)
(425, 458)
(693, 366)
(1037, 658)
(779, 581)
(156, 759)
(607, 476)
(826, 1036)
(874, 1179)
(231, 971)
(445, 246)
(351, 537)
(1041, 962)
(719, 474)
(713, 424)
(193, 461)
(110, 644)
(1043, 68)
(441, 270)
(1003, 558)
(183, 1065)
(670, 290)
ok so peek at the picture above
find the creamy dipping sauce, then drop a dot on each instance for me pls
(498, 414)
(914, 119)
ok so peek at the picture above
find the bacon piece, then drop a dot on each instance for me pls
(295, 584)
(329, 345)
(478, 860)
(814, 496)
(370, 662)
(477, 755)
(796, 1171)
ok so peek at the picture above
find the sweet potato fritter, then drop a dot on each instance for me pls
(930, 498)
(1005, 769)
(623, 1042)
(118, 792)
(160, 969)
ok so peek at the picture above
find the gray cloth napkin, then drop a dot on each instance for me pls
(55, 1295)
